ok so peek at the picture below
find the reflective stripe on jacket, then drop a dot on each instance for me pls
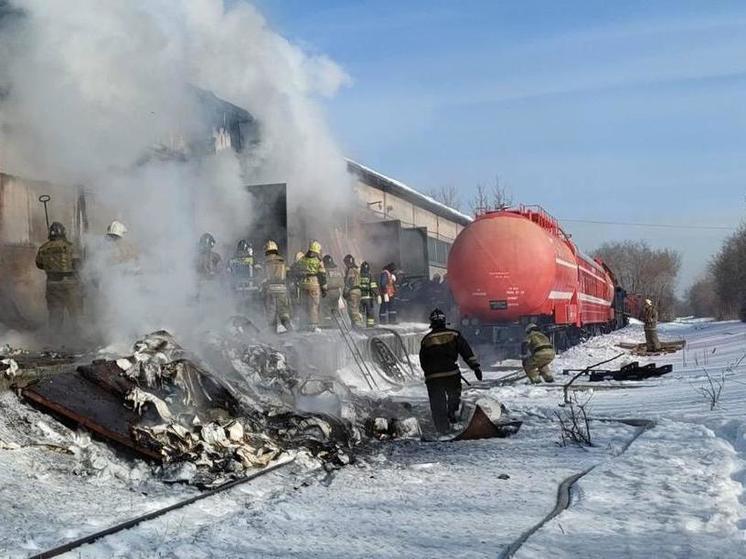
(439, 351)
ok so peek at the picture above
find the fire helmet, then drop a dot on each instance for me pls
(270, 246)
(530, 327)
(206, 241)
(437, 318)
(314, 246)
(648, 302)
(364, 267)
(116, 229)
(244, 246)
(329, 261)
(57, 231)
(349, 260)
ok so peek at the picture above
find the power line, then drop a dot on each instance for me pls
(662, 225)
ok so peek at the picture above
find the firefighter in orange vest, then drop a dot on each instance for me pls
(387, 309)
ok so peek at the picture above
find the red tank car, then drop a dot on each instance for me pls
(517, 266)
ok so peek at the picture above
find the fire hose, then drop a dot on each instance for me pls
(64, 548)
(564, 490)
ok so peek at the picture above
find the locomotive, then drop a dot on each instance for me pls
(514, 266)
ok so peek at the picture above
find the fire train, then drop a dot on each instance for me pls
(515, 266)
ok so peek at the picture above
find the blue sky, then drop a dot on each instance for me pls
(604, 111)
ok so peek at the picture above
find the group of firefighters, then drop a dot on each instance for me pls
(313, 285)
(320, 290)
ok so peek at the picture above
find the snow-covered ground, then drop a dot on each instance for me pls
(676, 491)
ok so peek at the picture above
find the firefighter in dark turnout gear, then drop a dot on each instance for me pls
(439, 351)
(352, 291)
(242, 269)
(208, 261)
(368, 293)
(60, 261)
(334, 285)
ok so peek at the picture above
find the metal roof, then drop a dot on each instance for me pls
(398, 188)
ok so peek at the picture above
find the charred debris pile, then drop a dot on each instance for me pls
(204, 428)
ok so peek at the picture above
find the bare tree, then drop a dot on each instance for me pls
(502, 197)
(496, 196)
(645, 271)
(481, 202)
(446, 194)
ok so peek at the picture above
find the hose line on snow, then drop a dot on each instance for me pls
(564, 491)
(64, 548)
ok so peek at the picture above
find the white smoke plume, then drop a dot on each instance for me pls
(89, 87)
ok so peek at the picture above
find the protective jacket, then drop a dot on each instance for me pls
(58, 259)
(275, 274)
(650, 317)
(352, 278)
(439, 351)
(208, 264)
(388, 284)
(334, 281)
(242, 265)
(368, 287)
(537, 343)
(311, 271)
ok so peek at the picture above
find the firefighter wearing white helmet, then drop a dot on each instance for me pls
(119, 251)
(538, 353)
(274, 288)
(650, 321)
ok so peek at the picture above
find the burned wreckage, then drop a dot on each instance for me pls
(203, 428)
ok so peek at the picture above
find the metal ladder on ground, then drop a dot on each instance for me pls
(346, 330)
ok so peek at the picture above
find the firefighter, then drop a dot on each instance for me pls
(312, 276)
(352, 291)
(208, 261)
(60, 261)
(537, 355)
(242, 268)
(387, 309)
(274, 288)
(119, 250)
(296, 278)
(335, 282)
(439, 351)
(368, 293)
(650, 320)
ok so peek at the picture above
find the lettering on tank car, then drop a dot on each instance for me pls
(498, 274)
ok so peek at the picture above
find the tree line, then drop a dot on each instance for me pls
(646, 271)
(721, 291)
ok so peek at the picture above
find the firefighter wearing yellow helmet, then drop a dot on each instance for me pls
(311, 276)
(274, 288)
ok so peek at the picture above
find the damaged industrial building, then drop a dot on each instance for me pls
(244, 397)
